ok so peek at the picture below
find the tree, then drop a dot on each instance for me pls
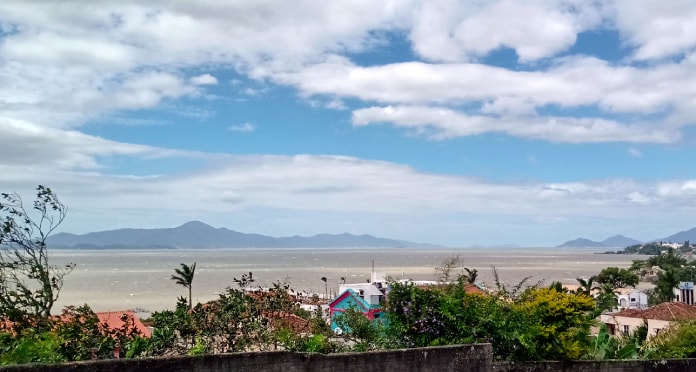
(184, 277)
(471, 275)
(29, 284)
(444, 271)
(585, 286)
(326, 286)
(617, 278)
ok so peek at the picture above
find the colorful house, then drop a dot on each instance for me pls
(366, 298)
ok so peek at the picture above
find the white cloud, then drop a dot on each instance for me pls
(442, 123)
(657, 29)
(455, 31)
(244, 127)
(28, 147)
(205, 79)
(635, 152)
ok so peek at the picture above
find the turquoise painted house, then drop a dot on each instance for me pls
(367, 298)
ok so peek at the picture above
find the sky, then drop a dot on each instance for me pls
(461, 123)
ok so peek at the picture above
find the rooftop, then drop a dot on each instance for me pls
(665, 311)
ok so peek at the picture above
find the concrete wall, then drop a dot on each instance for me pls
(460, 358)
(464, 358)
(672, 365)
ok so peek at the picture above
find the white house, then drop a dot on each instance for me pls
(631, 298)
(684, 293)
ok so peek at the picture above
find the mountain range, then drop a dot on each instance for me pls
(620, 241)
(196, 234)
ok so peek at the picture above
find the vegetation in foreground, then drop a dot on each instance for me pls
(523, 322)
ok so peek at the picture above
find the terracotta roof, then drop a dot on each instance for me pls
(473, 289)
(115, 320)
(665, 311)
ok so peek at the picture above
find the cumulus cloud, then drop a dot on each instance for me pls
(455, 31)
(657, 29)
(205, 79)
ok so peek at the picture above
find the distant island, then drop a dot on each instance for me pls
(196, 234)
(620, 241)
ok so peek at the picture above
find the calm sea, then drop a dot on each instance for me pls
(122, 279)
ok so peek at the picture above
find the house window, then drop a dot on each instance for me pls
(657, 331)
(625, 329)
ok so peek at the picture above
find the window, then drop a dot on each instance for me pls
(625, 329)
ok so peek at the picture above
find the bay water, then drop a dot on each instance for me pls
(141, 278)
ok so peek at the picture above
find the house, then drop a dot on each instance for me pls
(631, 298)
(123, 319)
(364, 297)
(684, 293)
(657, 318)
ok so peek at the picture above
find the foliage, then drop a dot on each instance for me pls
(184, 277)
(586, 286)
(664, 287)
(360, 332)
(617, 278)
(539, 323)
(29, 284)
(30, 346)
(607, 347)
(678, 341)
(606, 298)
(84, 337)
(471, 275)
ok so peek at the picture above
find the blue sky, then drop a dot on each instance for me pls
(452, 122)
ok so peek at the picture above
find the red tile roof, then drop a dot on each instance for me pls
(665, 311)
(115, 320)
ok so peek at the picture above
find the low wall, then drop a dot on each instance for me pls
(459, 358)
(464, 358)
(672, 365)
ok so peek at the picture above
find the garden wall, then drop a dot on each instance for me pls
(672, 365)
(464, 358)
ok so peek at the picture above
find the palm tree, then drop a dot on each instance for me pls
(586, 286)
(184, 277)
(471, 275)
(326, 287)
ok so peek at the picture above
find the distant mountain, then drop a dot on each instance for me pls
(619, 241)
(681, 237)
(196, 234)
(616, 241)
(581, 243)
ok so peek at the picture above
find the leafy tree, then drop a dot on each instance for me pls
(677, 341)
(30, 346)
(617, 278)
(363, 334)
(667, 260)
(471, 275)
(184, 277)
(664, 286)
(444, 271)
(29, 284)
